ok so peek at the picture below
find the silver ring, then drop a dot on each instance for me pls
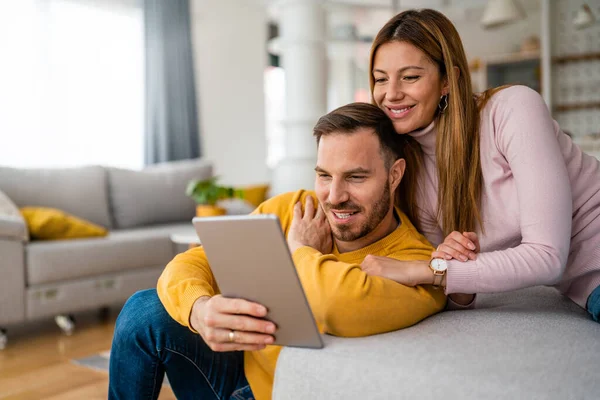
(231, 336)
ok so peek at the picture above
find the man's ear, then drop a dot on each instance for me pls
(396, 173)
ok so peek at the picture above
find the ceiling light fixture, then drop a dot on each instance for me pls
(584, 17)
(501, 12)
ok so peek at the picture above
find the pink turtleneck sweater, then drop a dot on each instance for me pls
(540, 203)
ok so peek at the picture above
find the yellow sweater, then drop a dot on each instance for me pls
(344, 300)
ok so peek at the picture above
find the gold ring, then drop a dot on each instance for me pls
(231, 336)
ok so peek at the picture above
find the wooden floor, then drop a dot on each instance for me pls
(36, 364)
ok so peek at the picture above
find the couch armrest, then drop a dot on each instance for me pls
(13, 228)
(12, 280)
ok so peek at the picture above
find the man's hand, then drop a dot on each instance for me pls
(215, 318)
(311, 229)
(409, 273)
(460, 246)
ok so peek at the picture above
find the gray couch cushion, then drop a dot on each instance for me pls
(79, 191)
(528, 344)
(59, 260)
(156, 194)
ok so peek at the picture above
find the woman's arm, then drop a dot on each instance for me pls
(526, 137)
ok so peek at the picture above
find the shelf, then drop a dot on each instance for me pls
(577, 106)
(512, 58)
(576, 57)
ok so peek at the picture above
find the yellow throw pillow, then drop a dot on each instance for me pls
(52, 224)
(255, 194)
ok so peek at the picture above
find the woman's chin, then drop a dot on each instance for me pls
(403, 128)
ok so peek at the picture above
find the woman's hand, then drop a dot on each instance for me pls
(409, 273)
(228, 324)
(310, 229)
(460, 246)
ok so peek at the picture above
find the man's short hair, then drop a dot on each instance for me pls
(354, 116)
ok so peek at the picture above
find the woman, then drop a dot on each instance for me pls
(506, 196)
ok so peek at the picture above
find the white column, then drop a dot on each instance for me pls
(341, 54)
(546, 48)
(303, 57)
(342, 72)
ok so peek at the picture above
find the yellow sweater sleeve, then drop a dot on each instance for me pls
(185, 279)
(347, 302)
(188, 276)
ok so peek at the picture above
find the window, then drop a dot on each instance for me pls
(72, 79)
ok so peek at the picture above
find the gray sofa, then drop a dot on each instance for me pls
(528, 344)
(141, 209)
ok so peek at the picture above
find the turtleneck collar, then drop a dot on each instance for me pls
(426, 138)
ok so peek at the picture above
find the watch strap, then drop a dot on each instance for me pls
(438, 277)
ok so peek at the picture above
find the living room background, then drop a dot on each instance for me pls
(72, 76)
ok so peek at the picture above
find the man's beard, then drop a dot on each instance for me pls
(380, 209)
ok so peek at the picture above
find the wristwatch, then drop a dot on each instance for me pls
(438, 266)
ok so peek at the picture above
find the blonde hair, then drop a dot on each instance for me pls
(457, 148)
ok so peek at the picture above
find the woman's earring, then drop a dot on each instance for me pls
(443, 104)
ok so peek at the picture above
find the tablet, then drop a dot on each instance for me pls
(250, 259)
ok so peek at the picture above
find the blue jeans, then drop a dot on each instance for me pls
(147, 343)
(593, 304)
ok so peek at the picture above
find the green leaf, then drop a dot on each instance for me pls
(208, 192)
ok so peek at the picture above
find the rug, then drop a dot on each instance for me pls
(100, 362)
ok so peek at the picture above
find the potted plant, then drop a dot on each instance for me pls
(206, 193)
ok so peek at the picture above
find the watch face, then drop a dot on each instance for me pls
(439, 264)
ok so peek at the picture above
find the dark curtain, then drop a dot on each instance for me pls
(171, 120)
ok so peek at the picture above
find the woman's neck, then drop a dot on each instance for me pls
(426, 137)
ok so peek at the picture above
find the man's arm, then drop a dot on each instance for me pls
(348, 302)
(345, 300)
(188, 276)
(189, 293)
(185, 279)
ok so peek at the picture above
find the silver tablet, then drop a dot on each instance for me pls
(250, 259)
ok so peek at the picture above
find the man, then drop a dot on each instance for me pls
(216, 347)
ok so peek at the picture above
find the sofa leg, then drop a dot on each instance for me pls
(66, 323)
(3, 339)
(104, 314)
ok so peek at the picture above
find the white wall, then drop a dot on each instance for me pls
(466, 16)
(229, 39)
(479, 42)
